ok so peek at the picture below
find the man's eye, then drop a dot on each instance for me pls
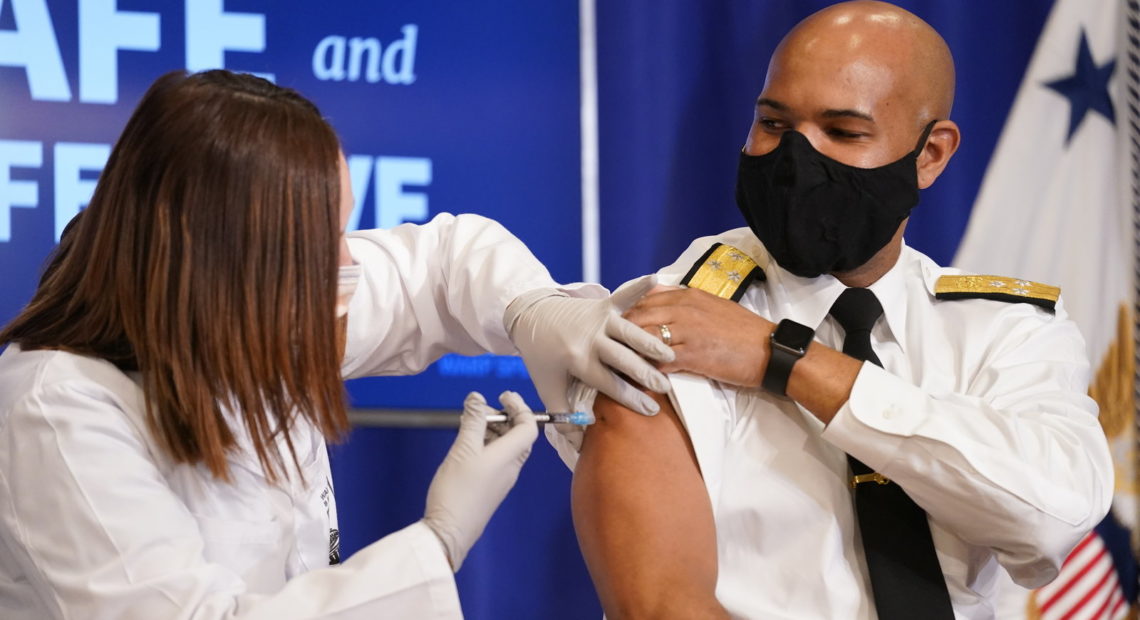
(843, 134)
(772, 124)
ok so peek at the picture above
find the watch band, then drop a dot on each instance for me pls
(780, 362)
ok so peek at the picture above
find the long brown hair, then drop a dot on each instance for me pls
(207, 261)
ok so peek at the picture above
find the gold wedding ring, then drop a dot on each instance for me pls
(666, 335)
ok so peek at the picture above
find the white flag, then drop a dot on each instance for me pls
(1055, 207)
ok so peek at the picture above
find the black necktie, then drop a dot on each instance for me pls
(906, 578)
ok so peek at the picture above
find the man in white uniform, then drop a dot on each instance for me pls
(880, 436)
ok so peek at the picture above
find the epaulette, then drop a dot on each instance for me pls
(723, 271)
(998, 288)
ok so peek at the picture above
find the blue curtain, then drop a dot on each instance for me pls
(677, 85)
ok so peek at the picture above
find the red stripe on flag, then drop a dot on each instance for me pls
(1112, 597)
(1120, 602)
(1074, 578)
(1080, 546)
(1096, 589)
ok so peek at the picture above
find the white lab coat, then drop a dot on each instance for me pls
(96, 522)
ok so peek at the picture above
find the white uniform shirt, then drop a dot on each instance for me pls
(95, 522)
(980, 413)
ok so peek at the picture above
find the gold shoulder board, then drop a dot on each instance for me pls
(999, 288)
(723, 271)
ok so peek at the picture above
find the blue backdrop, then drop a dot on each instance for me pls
(468, 107)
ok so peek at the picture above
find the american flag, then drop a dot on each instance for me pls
(1088, 587)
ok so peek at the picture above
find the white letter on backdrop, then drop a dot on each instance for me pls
(326, 67)
(393, 205)
(358, 49)
(103, 31)
(405, 50)
(360, 171)
(17, 154)
(32, 45)
(210, 31)
(72, 191)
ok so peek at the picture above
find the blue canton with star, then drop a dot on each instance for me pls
(1086, 89)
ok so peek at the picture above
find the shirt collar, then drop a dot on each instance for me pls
(891, 291)
(808, 300)
(804, 300)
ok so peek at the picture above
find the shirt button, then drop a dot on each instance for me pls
(890, 413)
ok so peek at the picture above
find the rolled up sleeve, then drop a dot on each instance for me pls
(1016, 461)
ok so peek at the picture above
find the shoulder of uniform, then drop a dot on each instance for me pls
(725, 271)
(997, 288)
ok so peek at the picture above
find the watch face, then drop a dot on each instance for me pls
(793, 335)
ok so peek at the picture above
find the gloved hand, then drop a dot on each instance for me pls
(563, 337)
(478, 471)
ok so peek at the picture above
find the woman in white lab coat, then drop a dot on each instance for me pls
(166, 395)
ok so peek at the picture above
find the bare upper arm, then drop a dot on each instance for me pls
(643, 517)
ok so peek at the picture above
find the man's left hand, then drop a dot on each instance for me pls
(711, 336)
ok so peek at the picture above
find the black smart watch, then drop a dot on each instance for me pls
(789, 343)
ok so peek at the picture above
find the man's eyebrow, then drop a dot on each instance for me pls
(771, 103)
(841, 113)
(848, 113)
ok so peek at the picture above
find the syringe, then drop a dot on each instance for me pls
(581, 418)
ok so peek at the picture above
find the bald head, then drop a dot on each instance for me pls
(867, 84)
(861, 80)
(868, 39)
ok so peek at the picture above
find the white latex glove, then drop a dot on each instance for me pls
(563, 337)
(477, 473)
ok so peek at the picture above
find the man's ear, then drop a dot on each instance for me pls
(940, 147)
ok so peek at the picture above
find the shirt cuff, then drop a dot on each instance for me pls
(881, 412)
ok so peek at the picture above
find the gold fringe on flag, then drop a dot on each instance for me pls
(1112, 387)
(1113, 390)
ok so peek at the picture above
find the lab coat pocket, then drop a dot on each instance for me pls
(255, 550)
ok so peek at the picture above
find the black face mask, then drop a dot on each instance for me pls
(816, 215)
